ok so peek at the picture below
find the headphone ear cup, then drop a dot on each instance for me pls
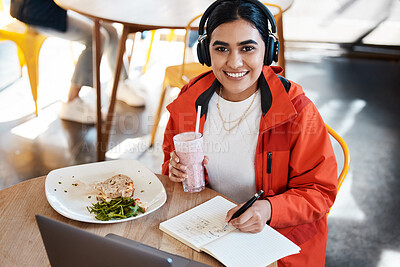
(269, 51)
(200, 55)
(203, 52)
(207, 55)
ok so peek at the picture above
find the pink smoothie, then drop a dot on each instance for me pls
(189, 149)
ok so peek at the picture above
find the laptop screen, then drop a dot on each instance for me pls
(67, 245)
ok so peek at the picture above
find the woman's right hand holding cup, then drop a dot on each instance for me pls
(177, 171)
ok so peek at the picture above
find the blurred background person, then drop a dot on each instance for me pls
(49, 19)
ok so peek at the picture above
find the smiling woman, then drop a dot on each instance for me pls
(274, 137)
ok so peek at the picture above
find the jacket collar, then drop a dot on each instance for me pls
(277, 108)
(276, 105)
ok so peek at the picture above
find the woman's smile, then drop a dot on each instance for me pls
(236, 75)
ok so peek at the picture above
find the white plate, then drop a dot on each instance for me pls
(71, 201)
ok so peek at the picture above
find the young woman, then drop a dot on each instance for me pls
(260, 131)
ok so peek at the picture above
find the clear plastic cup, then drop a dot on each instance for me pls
(189, 148)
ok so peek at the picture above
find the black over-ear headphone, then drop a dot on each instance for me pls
(271, 46)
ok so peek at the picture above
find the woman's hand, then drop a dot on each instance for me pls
(253, 219)
(177, 171)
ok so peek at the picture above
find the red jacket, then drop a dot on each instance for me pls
(294, 162)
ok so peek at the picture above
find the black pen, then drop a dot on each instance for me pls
(245, 207)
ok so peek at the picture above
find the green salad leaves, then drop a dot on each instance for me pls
(120, 208)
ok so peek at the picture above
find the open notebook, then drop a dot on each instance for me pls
(201, 228)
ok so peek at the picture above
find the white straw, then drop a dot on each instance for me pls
(198, 119)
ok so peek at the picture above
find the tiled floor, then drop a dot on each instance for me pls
(357, 97)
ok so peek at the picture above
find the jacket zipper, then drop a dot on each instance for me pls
(269, 161)
(269, 167)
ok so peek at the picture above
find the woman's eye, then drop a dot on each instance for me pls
(248, 48)
(221, 49)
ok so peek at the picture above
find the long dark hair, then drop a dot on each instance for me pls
(229, 11)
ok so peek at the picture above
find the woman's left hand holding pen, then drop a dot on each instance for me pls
(253, 219)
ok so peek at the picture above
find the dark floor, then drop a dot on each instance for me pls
(365, 111)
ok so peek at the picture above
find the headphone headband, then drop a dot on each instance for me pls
(211, 8)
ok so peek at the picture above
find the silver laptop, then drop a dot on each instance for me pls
(67, 245)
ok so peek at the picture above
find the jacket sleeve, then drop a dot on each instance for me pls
(312, 181)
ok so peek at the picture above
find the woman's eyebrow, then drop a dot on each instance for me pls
(250, 41)
(220, 43)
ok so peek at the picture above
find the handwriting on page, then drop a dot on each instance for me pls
(203, 223)
(203, 228)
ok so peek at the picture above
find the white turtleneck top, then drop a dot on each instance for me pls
(231, 153)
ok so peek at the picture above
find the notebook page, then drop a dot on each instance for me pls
(247, 249)
(201, 224)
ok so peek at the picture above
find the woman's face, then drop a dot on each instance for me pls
(237, 57)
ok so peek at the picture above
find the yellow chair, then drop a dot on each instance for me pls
(346, 155)
(28, 43)
(177, 76)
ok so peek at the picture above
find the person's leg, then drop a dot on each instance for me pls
(111, 50)
(73, 92)
(128, 91)
(79, 29)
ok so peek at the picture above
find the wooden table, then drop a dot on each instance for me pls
(21, 243)
(138, 16)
